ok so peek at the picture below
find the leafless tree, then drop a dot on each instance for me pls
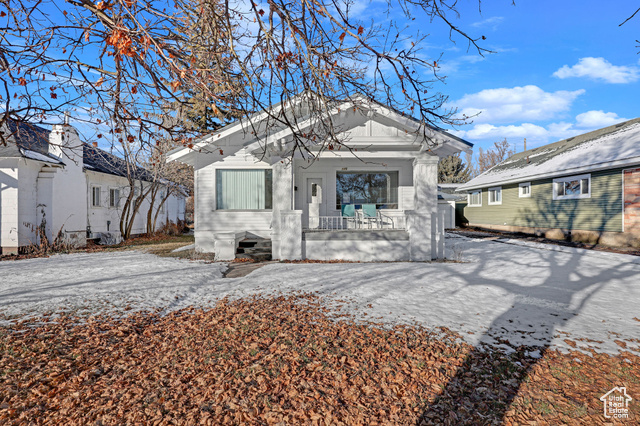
(136, 72)
(493, 156)
(167, 179)
(119, 63)
(633, 15)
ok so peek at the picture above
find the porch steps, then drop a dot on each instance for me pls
(257, 250)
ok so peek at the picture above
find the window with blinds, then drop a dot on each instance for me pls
(243, 189)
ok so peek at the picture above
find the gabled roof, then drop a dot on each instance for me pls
(252, 143)
(613, 146)
(32, 142)
(27, 141)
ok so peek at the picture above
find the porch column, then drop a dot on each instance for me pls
(422, 221)
(286, 229)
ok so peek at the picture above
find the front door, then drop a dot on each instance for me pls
(314, 201)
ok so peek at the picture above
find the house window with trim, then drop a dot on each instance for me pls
(475, 198)
(379, 188)
(244, 189)
(524, 190)
(114, 197)
(95, 196)
(495, 196)
(572, 187)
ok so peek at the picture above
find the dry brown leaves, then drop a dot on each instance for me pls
(283, 360)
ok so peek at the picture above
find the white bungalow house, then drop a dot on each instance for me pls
(50, 179)
(381, 206)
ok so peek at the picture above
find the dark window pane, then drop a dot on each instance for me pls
(585, 186)
(380, 188)
(560, 188)
(268, 189)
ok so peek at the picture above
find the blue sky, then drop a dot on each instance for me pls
(560, 68)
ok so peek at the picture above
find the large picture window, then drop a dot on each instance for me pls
(243, 189)
(379, 188)
(571, 187)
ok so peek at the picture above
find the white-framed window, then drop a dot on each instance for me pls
(244, 189)
(495, 195)
(367, 187)
(95, 196)
(114, 197)
(475, 198)
(524, 190)
(572, 187)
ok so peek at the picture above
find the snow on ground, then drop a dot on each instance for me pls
(524, 293)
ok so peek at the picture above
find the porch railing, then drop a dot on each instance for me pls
(340, 223)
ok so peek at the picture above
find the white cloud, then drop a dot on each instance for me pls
(492, 23)
(600, 69)
(597, 119)
(489, 131)
(453, 66)
(539, 135)
(526, 103)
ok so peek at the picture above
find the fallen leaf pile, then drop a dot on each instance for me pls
(285, 360)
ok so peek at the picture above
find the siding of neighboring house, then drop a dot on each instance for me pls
(9, 203)
(632, 201)
(601, 213)
(98, 216)
(28, 172)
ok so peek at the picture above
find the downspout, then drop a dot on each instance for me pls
(88, 201)
(37, 205)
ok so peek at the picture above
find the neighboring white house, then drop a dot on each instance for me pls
(248, 187)
(50, 179)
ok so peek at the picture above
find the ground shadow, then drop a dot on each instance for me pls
(484, 387)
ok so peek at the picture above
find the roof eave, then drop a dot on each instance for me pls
(632, 161)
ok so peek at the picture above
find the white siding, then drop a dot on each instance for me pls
(99, 216)
(27, 200)
(9, 203)
(357, 250)
(208, 220)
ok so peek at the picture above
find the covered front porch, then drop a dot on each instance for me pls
(347, 209)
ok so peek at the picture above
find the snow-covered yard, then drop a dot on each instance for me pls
(520, 292)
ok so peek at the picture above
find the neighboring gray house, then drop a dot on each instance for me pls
(447, 199)
(382, 206)
(584, 188)
(50, 179)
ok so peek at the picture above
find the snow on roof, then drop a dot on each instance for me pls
(48, 158)
(27, 140)
(613, 146)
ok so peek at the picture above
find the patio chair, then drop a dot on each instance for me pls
(370, 214)
(348, 212)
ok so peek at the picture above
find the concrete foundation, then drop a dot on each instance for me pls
(613, 239)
